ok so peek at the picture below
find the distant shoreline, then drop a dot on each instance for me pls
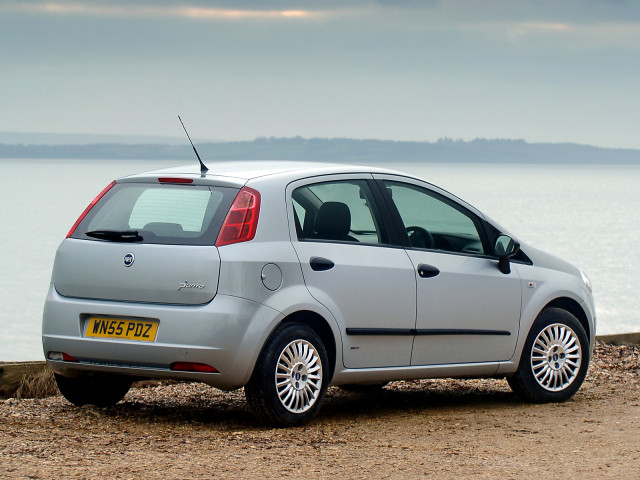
(344, 150)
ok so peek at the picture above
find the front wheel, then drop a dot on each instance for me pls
(98, 390)
(290, 379)
(554, 360)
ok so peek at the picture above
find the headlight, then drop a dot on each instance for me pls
(586, 280)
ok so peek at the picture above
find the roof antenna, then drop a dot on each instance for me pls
(203, 168)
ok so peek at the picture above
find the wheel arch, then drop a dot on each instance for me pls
(563, 302)
(575, 309)
(318, 324)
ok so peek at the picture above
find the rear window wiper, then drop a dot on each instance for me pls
(116, 236)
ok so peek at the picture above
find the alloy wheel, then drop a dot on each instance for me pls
(556, 356)
(298, 376)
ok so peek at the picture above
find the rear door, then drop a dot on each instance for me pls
(146, 242)
(349, 266)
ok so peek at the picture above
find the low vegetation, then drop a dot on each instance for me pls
(38, 385)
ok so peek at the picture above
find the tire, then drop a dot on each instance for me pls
(98, 390)
(554, 360)
(290, 378)
(363, 387)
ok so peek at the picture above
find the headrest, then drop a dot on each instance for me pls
(333, 218)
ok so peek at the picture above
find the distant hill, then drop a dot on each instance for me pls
(341, 150)
(38, 138)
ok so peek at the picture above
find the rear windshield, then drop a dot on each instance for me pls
(158, 213)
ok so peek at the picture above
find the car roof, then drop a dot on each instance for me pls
(239, 172)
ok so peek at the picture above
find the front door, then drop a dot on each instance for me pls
(467, 310)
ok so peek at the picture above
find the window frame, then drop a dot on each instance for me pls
(382, 217)
(441, 195)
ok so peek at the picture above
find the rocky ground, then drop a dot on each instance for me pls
(430, 428)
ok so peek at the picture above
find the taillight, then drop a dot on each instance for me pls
(242, 220)
(88, 209)
(68, 358)
(61, 357)
(193, 367)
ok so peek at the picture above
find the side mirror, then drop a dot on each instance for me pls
(505, 248)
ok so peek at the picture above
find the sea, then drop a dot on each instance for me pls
(586, 214)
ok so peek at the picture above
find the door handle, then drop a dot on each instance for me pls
(320, 264)
(427, 271)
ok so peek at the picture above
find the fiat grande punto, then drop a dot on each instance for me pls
(285, 278)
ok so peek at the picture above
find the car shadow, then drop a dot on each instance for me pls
(229, 410)
(390, 401)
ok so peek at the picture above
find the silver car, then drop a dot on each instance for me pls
(286, 277)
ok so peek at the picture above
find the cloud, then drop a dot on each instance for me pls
(533, 14)
(409, 3)
(579, 35)
(545, 27)
(193, 12)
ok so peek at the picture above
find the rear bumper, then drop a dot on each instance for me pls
(226, 333)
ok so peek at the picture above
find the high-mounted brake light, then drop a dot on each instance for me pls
(89, 207)
(175, 180)
(242, 220)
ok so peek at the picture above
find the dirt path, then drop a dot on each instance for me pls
(437, 428)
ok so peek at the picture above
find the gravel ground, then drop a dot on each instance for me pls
(433, 428)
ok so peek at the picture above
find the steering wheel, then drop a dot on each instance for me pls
(419, 237)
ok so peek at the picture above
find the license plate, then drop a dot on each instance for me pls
(122, 329)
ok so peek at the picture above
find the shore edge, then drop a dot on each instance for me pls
(13, 373)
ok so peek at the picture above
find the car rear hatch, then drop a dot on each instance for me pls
(148, 240)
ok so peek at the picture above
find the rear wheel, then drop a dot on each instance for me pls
(290, 379)
(554, 360)
(98, 390)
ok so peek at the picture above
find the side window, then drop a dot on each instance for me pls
(337, 211)
(299, 214)
(434, 222)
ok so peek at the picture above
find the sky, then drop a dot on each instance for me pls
(539, 70)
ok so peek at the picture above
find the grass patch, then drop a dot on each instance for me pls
(37, 385)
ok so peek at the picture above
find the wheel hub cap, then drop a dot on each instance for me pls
(556, 357)
(299, 376)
